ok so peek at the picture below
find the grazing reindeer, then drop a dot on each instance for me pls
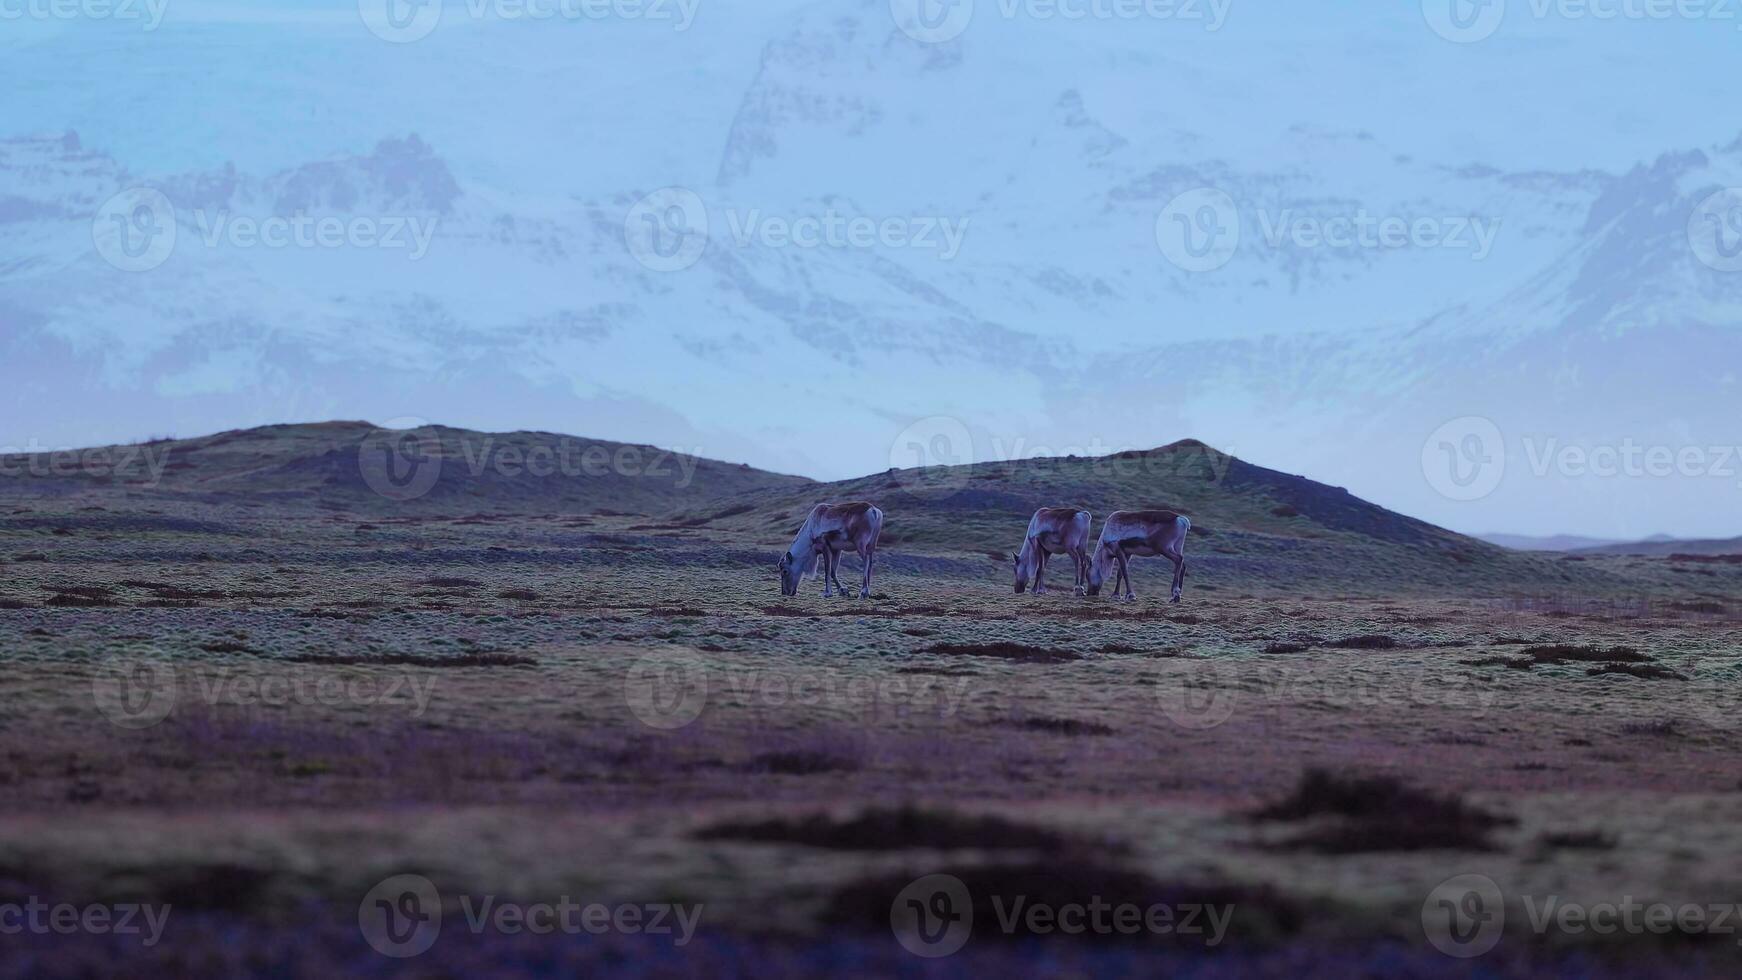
(828, 530)
(1054, 531)
(1139, 533)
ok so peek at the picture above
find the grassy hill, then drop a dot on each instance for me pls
(1252, 522)
(355, 466)
(1249, 524)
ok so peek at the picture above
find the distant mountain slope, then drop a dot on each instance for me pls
(1250, 525)
(1249, 522)
(1673, 546)
(1552, 542)
(358, 467)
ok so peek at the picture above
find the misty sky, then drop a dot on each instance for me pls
(578, 116)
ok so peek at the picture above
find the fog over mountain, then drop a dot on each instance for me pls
(821, 238)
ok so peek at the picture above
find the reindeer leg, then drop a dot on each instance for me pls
(1179, 574)
(828, 561)
(835, 570)
(1080, 558)
(1125, 574)
(865, 587)
(1039, 569)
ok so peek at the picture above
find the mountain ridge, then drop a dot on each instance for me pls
(1060, 323)
(1248, 520)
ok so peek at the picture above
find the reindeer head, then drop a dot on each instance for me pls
(789, 575)
(1098, 568)
(1022, 573)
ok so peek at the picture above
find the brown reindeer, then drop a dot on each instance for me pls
(1054, 531)
(1139, 533)
(828, 530)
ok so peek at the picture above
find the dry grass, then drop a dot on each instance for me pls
(946, 711)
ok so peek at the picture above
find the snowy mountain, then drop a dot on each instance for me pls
(859, 249)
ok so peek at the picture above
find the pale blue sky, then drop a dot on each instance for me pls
(267, 84)
(554, 129)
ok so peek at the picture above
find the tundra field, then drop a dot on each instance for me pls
(247, 679)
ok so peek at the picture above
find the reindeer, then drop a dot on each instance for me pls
(1139, 533)
(828, 530)
(1054, 531)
